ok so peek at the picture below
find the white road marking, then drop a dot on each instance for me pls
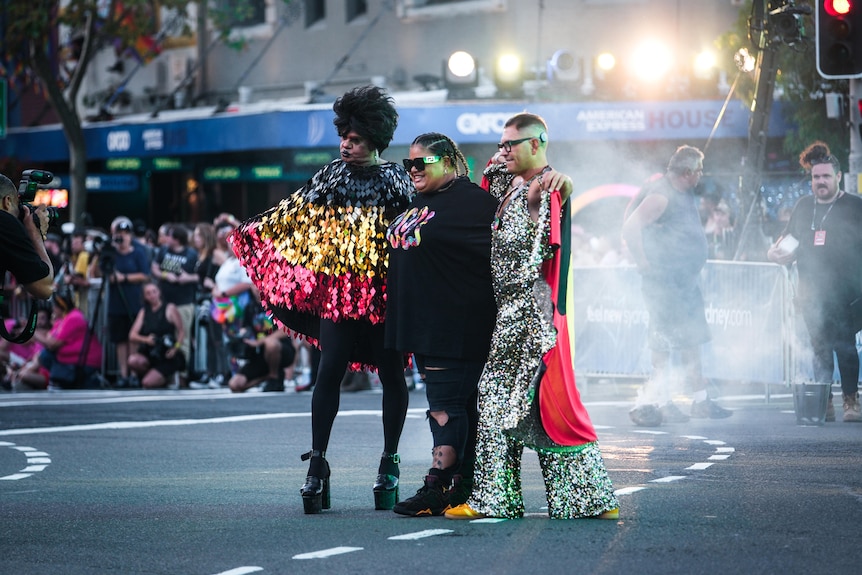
(668, 479)
(420, 534)
(36, 461)
(698, 466)
(324, 553)
(241, 571)
(628, 490)
(115, 425)
(718, 457)
(15, 476)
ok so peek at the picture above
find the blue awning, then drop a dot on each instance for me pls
(245, 129)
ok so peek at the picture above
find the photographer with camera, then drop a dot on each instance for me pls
(22, 248)
(158, 330)
(125, 265)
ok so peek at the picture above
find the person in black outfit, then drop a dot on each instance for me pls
(158, 332)
(22, 247)
(441, 308)
(829, 264)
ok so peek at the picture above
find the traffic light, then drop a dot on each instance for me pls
(839, 38)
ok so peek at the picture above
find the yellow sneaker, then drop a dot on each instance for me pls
(612, 514)
(463, 511)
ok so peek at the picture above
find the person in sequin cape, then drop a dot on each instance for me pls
(527, 393)
(319, 260)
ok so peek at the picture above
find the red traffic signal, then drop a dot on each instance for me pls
(839, 38)
(837, 7)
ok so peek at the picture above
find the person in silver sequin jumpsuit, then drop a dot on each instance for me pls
(576, 481)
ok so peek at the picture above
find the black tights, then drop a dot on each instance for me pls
(336, 342)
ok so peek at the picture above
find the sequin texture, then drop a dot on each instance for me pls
(322, 251)
(576, 481)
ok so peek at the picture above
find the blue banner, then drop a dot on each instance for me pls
(467, 122)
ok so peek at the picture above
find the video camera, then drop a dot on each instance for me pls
(30, 182)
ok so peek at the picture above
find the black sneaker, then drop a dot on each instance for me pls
(646, 416)
(462, 488)
(708, 409)
(273, 384)
(431, 499)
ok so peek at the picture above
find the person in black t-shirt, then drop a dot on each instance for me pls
(826, 228)
(22, 248)
(441, 308)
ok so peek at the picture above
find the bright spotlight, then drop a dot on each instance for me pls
(704, 64)
(509, 68)
(509, 75)
(651, 61)
(461, 64)
(606, 61)
(460, 75)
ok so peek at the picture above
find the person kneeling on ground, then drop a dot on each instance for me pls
(62, 347)
(266, 359)
(158, 331)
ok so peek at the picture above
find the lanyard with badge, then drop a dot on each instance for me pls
(820, 235)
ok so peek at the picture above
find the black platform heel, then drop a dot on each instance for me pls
(386, 484)
(315, 492)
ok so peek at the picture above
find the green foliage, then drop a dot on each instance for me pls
(802, 90)
(32, 29)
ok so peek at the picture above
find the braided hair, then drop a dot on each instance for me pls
(443, 146)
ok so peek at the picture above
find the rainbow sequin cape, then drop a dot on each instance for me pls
(322, 251)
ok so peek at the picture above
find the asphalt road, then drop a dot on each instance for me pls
(203, 483)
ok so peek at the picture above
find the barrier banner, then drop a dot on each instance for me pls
(743, 303)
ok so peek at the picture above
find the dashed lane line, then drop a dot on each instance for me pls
(324, 553)
(420, 534)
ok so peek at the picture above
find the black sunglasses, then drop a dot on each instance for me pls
(507, 145)
(420, 163)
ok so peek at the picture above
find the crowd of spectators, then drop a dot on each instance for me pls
(126, 292)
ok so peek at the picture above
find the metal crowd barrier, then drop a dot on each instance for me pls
(756, 337)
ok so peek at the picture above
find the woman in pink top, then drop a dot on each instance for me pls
(63, 346)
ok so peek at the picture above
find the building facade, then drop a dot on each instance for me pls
(205, 128)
